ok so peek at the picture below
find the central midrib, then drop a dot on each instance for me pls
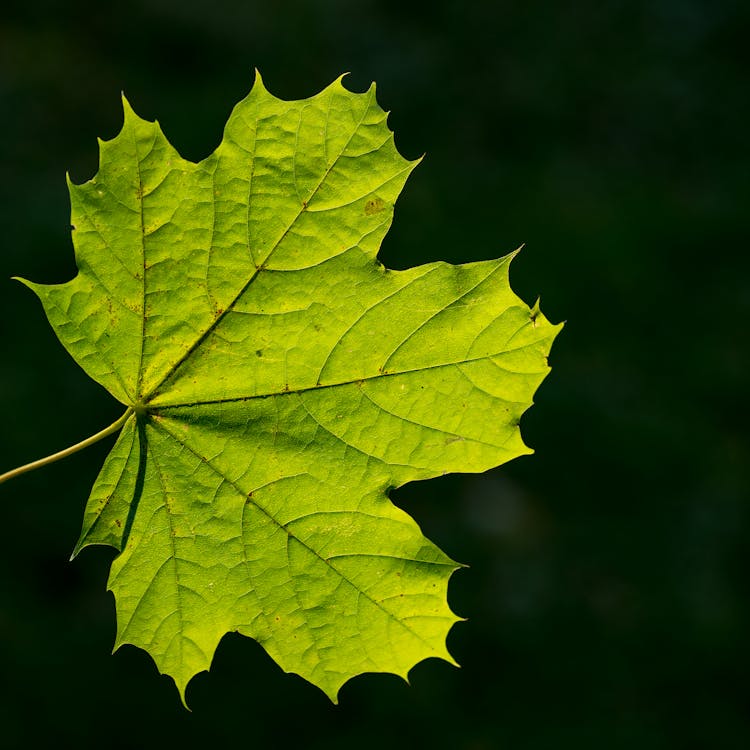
(353, 381)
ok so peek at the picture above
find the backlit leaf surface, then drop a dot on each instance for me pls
(282, 381)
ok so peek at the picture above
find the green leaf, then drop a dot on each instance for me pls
(282, 382)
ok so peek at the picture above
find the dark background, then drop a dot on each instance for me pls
(606, 596)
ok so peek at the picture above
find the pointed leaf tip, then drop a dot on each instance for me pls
(182, 691)
(69, 182)
(28, 284)
(128, 113)
(258, 83)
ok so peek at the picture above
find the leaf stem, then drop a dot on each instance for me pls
(114, 427)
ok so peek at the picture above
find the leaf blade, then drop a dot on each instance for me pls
(283, 383)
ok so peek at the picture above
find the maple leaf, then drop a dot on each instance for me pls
(279, 383)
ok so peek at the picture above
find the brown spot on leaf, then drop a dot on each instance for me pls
(374, 206)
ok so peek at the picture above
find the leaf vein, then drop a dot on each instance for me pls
(170, 372)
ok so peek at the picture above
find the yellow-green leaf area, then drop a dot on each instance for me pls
(282, 382)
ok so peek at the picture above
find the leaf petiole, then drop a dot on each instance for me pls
(114, 427)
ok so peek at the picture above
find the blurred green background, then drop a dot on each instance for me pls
(606, 599)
